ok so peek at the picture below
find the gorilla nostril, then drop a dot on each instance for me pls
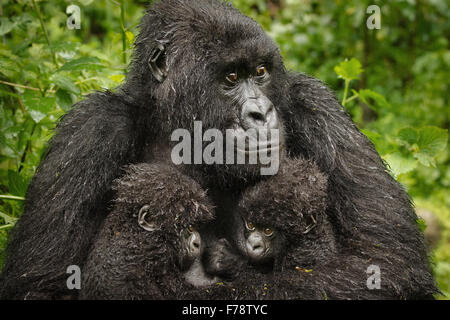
(257, 116)
(257, 247)
(195, 244)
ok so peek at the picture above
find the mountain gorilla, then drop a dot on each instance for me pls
(288, 232)
(204, 61)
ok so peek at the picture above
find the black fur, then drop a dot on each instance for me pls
(293, 203)
(128, 262)
(370, 213)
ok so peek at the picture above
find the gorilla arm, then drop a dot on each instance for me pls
(372, 216)
(64, 200)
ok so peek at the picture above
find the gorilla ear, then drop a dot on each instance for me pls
(143, 222)
(157, 62)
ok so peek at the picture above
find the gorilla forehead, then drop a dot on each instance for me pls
(210, 30)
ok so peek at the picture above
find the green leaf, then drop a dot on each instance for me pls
(372, 99)
(400, 164)
(64, 99)
(5, 26)
(2, 140)
(425, 159)
(425, 143)
(37, 106)
(408, 136)
(17, 184)
(422, 224)
(8, 219)
(117, 77)
(130, 37)
(65, 83)
(432, 140)
(349, 70)
(372, 135)
(84, 63)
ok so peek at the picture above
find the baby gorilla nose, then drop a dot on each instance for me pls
(256, 246)
(194, 243)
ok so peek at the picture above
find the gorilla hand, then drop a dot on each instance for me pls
(222, 260)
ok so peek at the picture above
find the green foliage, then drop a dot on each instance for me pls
(349, 70)
(394, 82)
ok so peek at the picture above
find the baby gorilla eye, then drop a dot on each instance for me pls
(268, 232)
(250, 226)
(189, 231)
(232, 77)
(261, 70)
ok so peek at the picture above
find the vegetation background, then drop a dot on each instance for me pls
(393, 81)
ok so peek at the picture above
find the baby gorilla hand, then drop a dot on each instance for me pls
(222, 260)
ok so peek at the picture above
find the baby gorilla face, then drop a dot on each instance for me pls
(191, 244)
(190, 255)
(260, 243)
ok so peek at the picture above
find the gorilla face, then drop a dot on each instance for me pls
(190, 255)
(262, 244)
(191, 245)
(230, 78)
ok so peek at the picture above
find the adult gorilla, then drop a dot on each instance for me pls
(203, 60)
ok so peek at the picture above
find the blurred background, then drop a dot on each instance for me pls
(394, 81)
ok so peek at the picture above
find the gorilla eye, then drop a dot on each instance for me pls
(261, 71)
(268, 232)
(232, 77)
(190, 229)
(250, 226)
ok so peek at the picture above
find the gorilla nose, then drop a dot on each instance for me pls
(255, 246)
(257, 114)
(195, 243)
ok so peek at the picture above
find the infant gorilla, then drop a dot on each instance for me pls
(280, 229)
(292, 231)
(149, 248)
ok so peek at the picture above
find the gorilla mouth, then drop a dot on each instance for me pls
(258, 253)
(259, 141)
(266, 148)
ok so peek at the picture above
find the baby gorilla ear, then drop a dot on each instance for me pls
(146, 225)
